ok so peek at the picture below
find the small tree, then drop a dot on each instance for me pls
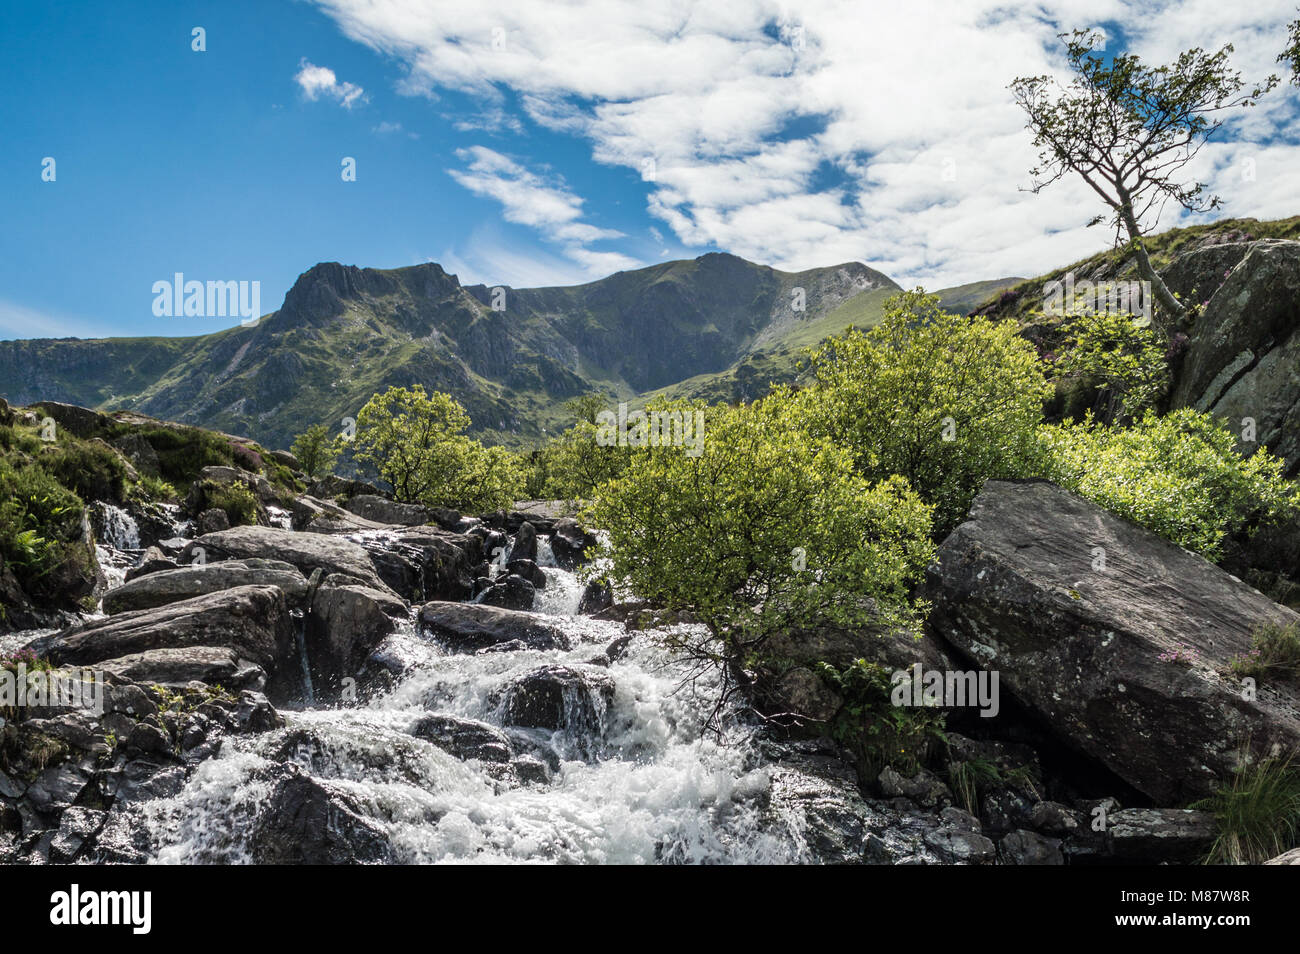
(585, 407)
(315, 450)
(415, 443)
(1128, 130)
(947, 402)
(1124, 360)
(766, 530)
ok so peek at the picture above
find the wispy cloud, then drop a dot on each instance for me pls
(547, 205)
(319, 81)
(836, 129)
(21, 321)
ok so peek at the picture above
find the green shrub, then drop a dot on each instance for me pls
(1124, 360)
(1178, 475)
(876, 731)
(40, 522)
(94, 471)
(1257, 812)
(947, 402)
(575, 463)
(315, 450)
(154, 489)
(766, 530)
(235, 499)
(1275, 654)
(183, 451)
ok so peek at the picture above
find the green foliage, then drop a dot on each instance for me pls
(39, 519)
(1275, 654)
(1257, 812)
(586, 407)
(315, 450)
(152, 489)
(415, 442)
(1179, 476)
(1115, 354)
(766, 529)
(947, 402)
(1291, 55)
(92, 470)
(234, 498)
(876, 731)
(183, 451)
(575, 463)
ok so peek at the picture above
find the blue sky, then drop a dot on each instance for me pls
(530, 143)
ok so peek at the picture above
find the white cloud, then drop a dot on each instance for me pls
(547, 206)
(20, 321)
(837, 130)
(317, 81)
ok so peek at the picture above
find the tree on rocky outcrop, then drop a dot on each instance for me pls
(315, 450)
(1128, 130)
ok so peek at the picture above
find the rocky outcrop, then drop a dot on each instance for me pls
(559, 697)
(308, 821)
(570, 543)
(1117, 639)
(346, 623)
(182, 583)
(469, 627)
(1243, 355)
(251, 621)
(464, 738)
(306, 551)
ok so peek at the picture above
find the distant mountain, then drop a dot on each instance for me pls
(715, 326)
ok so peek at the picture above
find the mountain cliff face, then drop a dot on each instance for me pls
(511, 356)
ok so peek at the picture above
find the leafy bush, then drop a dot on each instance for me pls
(1177, 475)
(947, 402)
(92, 470)
(315, 450)
(765, 530)
(576, 463)
(415, 443)
(183, 451)
(153, 489)
(40, 522)
(876, 731)
(1125, 361)
(235, 499)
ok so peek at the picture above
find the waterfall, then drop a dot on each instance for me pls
(628, 776)
(117, 528)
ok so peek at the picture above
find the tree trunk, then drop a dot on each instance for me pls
(1144, 266)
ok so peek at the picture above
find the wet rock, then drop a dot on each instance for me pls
(169, 586)
(333, 487)
(1160, 834)
(464, 738)
(1014, 589)
(383, 510)
(1023, 847)
(467, 627)
(178, 666)
(1055, 818)
(77, 826)
(617, 648)
(531, 770)
(597, 595)
(306, 551)
(525, 545)
(346, 623)
(570, 543)
(1291, 857)
(960, 841)
(559, 697)
(529, 570)
(925, 788)
(252, 621)
(514, 592)
(307, 821)
(153, 561)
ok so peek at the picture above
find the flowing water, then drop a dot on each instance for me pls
(642, 785)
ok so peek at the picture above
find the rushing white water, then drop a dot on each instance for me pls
(118, 528)
(643, 786)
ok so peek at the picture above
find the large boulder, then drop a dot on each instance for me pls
(306, 551)
(512, 592)
(1243, 355)
(182, 583)
(1087, 618)
(559, 697)
(251, 621)
(469, 627)
(570, 543)
(383, 510)
(181, 665)
(464, 738)
(307, 821)
(346, 623)
(525, 545)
